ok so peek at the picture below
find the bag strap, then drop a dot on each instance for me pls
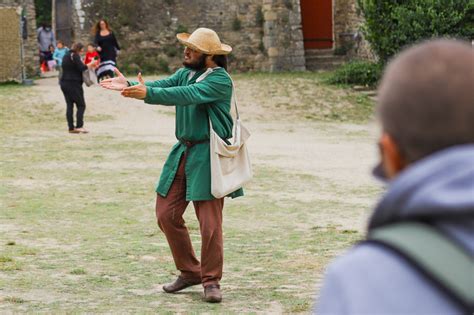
(441, 260)
(234, 95)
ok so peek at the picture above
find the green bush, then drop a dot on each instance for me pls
(163, 65)
(171, 51)
(181, 29)
(357, 72)
(392, 24)
(145, 61)
(43, 10)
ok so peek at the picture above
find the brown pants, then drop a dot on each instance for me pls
(169, 212)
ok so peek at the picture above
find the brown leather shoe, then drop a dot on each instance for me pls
(180, 284)
(212, 293)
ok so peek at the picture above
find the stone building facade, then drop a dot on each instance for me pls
(11, 43)
(347, 33)
(267, 35)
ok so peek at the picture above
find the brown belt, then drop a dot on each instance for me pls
(190, 144)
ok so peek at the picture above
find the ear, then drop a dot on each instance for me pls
(392, 159)
(209, 58)
(209, 62)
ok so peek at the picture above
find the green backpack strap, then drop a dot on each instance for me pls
(448, 265)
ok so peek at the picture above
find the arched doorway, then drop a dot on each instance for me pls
(317, 21)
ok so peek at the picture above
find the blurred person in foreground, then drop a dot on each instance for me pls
(417, 258)
(186, 175)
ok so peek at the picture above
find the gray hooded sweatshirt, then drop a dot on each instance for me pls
(370, 279)
(45, 38)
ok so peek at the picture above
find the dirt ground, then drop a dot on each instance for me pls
(341, 153)
(79, 233)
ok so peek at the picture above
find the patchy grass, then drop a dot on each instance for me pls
(9, 264)
(298, 96)
(12, 299)
(79, 210)
(295, 95)
(78, 271)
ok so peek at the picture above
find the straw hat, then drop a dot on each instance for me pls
(204, 40)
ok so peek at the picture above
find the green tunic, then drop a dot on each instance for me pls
(195, 103)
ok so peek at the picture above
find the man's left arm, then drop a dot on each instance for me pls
(213, 88)
(206, 91)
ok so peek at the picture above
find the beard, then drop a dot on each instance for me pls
(198, 65)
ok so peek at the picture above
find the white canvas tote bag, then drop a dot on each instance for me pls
(230, 163)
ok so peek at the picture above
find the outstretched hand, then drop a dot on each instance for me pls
(118, 83)
(136, 91)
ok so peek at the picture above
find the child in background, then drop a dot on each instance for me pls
(91, 55)
(59, 53)
(58, 56)
(49, 59)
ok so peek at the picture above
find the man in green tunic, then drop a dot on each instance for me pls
(186, 175)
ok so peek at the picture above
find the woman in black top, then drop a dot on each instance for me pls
(107, 46)
(71, 86)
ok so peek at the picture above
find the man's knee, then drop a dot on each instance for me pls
(211, 228)
(167, 218)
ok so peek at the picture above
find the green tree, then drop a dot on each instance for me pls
(43, 11)
(392, 24)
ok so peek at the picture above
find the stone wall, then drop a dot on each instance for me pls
(347, 30)
(146, 30)
(266, 34)
(10, 45)
(30, 46)
(283, 36)
(79, 21)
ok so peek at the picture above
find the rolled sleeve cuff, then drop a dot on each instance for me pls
(150, 97)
